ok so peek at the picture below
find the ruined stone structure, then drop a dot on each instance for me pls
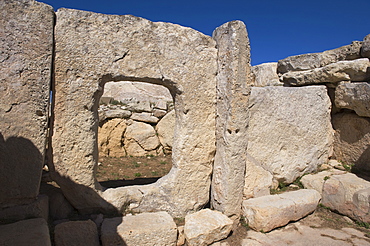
(238, 130)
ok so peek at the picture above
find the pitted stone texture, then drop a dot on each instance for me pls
(111, 138)
(165, 129)
(355, 71)
(268, 212)
(352, 140)
(92, 49)
(365, 49)
(349, 195)
(233, 88)
(355, 96)
(289, 130)
(26, 44)
(144, 117)
(142, 229)
(32, 232)
(266, 75)
(206, 226)
(78, 233)
(316, 60)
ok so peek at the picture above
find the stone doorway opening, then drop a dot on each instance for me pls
(135, 134)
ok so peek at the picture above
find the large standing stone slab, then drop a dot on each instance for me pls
(349, 195)
(352, 140)
(365, 49)
(233, 82)
(92, 49)
(205, 227)
(316, 60)
(165, 129)
(111, 138)
(289, 130)
(142, 229)
(268, 212)
(355, 96)
(32, 232)
(26, 44)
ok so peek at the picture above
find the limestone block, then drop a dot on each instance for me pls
(349, 195)
(79, 233)
(161, 104)
(233, 87)
(268, 212)
(110, 138)
(316, 181)
(316, 60)
(26, 46)
(59, 207)
(142, 229)
(206, 226)
(159, 113)
(140, 137)
(355, 71)
(258, 181)
(352, 140)
(117, 113)
(144, 117)
(93, 49)
(32, 232)
(37, 209)
(137, 92)
(266, 75)
(354, 96)
(289, 132)
(165, 129)
(365, 49)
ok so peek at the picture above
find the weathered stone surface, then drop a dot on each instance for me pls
(159, 113)
(206, 226)
(352, 140)
(316, 181)
(144, 117)
(355, 96)
(349, 195)
(266, 75)
(161, 104)
(111, 138)
(32, 232)
(165, 129)
(37, 209)
(142, 229)
(233, 87)
(92, 49)
(316, 60)
(258, 181)
(117, 113)
(355, 71)
(79, 233)
(365, 49)
(139, 138)
(268, 212)
(289, 130)
(26, 44)
(130, 92)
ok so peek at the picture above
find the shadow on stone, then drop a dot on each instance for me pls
(122, 182)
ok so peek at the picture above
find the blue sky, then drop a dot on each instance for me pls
(277, 28)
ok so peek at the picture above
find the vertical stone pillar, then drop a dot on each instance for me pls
(233, 88)
(26, 53)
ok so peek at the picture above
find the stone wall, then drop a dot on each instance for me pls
(249, 128)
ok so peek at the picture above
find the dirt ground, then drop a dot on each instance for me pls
(113, 172)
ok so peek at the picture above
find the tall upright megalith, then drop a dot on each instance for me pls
(26, 46)
(233, 88)
(92, 49)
